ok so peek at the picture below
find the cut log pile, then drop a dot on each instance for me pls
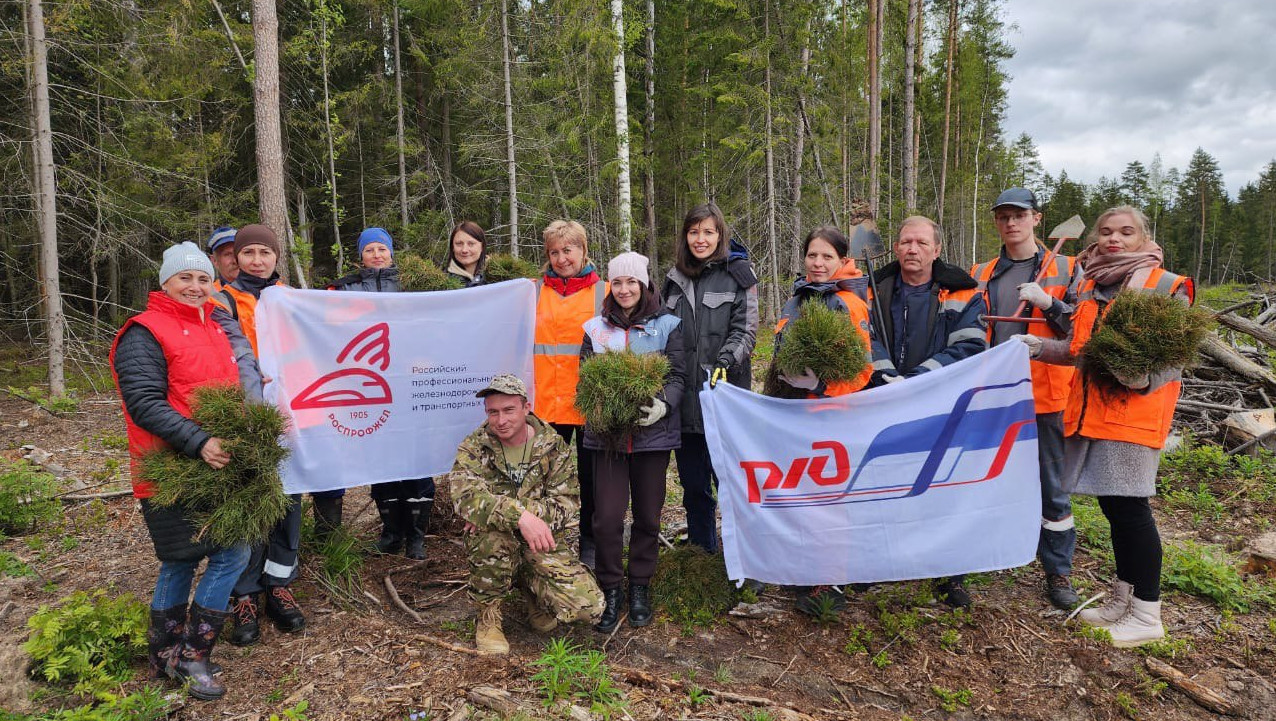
(1228, 397)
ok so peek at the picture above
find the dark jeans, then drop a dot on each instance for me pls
(274, 563)
(413, 489)
(616, 476)
(585, 470)
(699, 484)
(1058, 538)
(1136, 544)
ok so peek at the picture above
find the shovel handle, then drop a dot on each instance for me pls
(1009, 319)
(1023, 304)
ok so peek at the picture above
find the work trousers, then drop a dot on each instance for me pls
(1058, 539)
(699, 486)
(617, 477)
(274, 563)
(558, 582)
(585, 472)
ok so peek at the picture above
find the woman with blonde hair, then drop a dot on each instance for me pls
(1114, 436)
(570, 292)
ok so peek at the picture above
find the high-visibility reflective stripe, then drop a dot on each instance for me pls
(1165, 283)
(1066, 524)
(955, 305)
(883, 365)
(419, 500)
(966, 333)
(1053, 281)
(600, 292)
(931, 364)
(278, 570)
(556, 349)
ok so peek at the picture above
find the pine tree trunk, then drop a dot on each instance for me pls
(620, 87)
(799, 149)
(948, 105)
(1200, 246)
(649, 143)
(270, 154)
(771, 234)
(875, 13)
(910, 104)
(398, 102)
(46, 191)
(332, 155)
(509, 129)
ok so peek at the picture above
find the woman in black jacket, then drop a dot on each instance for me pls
(467, 253)
(633, 320)
(404, 506)
(713, 290)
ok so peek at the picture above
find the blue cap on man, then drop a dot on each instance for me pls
(221, 236)
(1017, 197)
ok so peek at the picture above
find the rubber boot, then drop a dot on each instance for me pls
(391, 539)
(191, 663)
(245, 610)
(614, 598)
(1140, 625)
(327, 516)
(1111, 612)
(416, 524)
(163, 637)
(639, 605)
(489, 639)
(282, 608)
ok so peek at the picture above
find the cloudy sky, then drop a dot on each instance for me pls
(1098, 83)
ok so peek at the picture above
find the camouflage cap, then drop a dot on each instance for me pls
(510, 385)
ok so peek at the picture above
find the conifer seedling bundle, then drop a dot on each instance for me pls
(502, 266)
(418, 274)
(614, 385)
(1143, 333)
(822, 339)
(243, 501)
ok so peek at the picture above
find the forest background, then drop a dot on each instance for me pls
(416, 114)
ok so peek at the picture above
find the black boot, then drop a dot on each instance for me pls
(245, 610)
(952, 591)
(415, 525)
(191, 663)
(639, 605)
(391, 539)
(284, 610)
(163, 637)
(614, 598)
(327, 516)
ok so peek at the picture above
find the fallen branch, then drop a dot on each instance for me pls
(1252, 441)
(1214, 347)
(504, 703)
(634, 676)
(1260, 333)
(445, 645)
(394, 597)
(76, 497)
(1206, 697)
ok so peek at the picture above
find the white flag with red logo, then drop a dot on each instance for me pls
(933, 476)
(380, 386)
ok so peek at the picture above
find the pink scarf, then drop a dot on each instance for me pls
(1112, 268)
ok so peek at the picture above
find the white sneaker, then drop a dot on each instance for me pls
(1139, 626)
(1114, 610)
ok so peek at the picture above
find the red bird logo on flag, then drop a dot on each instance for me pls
(353, 386)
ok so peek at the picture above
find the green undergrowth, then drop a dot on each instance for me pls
(27, 498)
(89, 640)
(341, 557)
(1212, 573)
(692, 587)
(568, 673)
(1195, 470)
(148, 704)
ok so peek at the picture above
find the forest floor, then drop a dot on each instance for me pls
(894, 653)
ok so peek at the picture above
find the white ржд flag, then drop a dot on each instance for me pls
(380, 386)
(933, 476)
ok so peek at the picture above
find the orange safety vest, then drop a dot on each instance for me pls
(245, 311)
(1050, 383)
(560, 328)
(1132, 417)
(858, 310)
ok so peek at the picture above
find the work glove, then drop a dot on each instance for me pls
(1033, 342)
(1033, 293)
(719, 374)
(652, 412)
(892, 379)
(805, 380)
(1135, 382)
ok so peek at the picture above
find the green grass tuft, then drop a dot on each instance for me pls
(614, 385)
(692, 586)
(418, 274)
(1209, 572)
(243, 501)
(1143, 333)
(822, 339)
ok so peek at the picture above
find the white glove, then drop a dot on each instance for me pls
(1134, 383)
(806, 380)
(1033, 342)
(892, 379)
(652, 412)
(1033, 293)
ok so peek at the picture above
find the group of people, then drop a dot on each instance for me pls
(520, 486)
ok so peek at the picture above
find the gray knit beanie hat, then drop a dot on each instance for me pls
(184, 256)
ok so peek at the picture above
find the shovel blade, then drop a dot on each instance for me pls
(1071, 228)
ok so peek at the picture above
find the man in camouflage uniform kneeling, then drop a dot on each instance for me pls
(515, 485)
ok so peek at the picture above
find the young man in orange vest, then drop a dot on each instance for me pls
(1006, 281)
